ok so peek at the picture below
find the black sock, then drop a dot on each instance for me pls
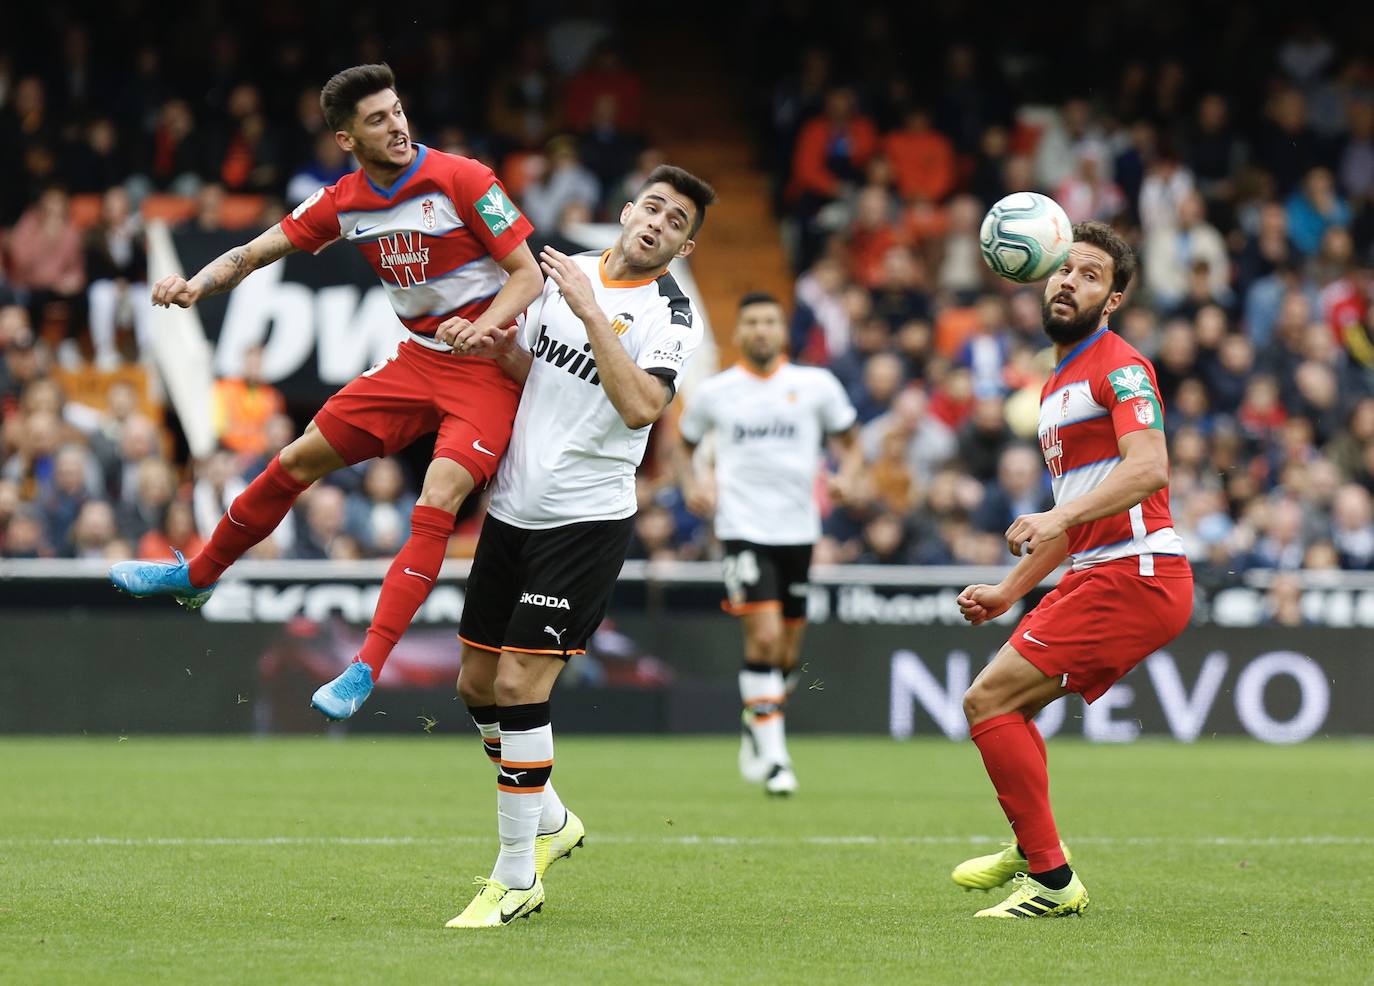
(1055, 879)
(758, 668)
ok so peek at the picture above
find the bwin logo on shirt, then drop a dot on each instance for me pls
(769, 429)
(566, 357)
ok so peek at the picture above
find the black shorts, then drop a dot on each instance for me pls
(545, 591)
(767, 576)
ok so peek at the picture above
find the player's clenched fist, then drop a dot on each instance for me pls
(1032, 530)
(980, 603)
(174, 290)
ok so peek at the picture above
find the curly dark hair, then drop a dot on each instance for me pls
(1109, 241)
(340, 96)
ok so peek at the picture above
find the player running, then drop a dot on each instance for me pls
(771, 420)
(1129, 590)
(449, 246)
(605, 346)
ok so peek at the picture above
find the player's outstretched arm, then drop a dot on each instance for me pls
(980, 603)
(224, 272)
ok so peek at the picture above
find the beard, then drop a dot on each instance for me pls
(1076, 328)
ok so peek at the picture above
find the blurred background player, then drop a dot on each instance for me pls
(771, 420)
(1129, 590)
(606, 344)
(449, 246)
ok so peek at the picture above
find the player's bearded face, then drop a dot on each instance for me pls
(1066, 321)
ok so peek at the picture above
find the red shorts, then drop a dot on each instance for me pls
(1100, 622)
(469, 401)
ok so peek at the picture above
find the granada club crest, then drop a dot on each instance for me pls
(1145, 412)
(622, 323)
(427, 217)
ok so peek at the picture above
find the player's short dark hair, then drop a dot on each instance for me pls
(758, 298)
(699, 191)
(1109, 241)
(340, 96)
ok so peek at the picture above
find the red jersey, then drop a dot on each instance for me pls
(434, 237)
(1104, 389)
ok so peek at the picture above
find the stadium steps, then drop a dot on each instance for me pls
(697, 121)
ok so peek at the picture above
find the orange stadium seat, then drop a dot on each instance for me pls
(240, 211)
(85, 210)
(171, 209)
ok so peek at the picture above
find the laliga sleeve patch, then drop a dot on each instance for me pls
(496, 210)
(1133, 389)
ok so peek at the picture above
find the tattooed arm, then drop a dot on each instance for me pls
(224, 272)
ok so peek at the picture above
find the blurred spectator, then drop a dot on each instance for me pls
(604, 79)
(96, 162)
(327, 164)
(922, 158)
(243, 405)
(606, 148)
(928, 443)
(94, 530)
(1172, 252)
(178, 154)
(1062, 141)
(1088, 193)
(1020, 489)
(24, 536)
(75, 480)
(1352, 527)
(982, 438)
(1286, 147)
(117, 266)
(323, 532)
(46, 262)
(1216, 152)
(379, 517)
(1313, 209)
(154, 487)
(175, 532)
(564, 181)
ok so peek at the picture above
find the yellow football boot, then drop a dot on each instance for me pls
(496, 905)
(991, 871)
(1030, 899)
(548, 849)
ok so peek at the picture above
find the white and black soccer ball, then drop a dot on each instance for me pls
(1025, 236)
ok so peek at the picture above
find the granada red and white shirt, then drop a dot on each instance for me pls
(1104, 389)
(434, 237)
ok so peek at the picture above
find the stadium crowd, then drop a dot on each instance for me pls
(1251, 200)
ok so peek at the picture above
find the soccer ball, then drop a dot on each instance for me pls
(1025, 236)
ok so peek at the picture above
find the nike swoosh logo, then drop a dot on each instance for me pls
(360, 230)
(1034, 641)
(508, 918)
(418, 575)
(229, 512)
(485, 451)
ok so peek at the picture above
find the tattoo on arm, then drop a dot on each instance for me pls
(226, 271)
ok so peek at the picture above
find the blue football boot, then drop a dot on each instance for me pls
(160, 578)
(346, 694)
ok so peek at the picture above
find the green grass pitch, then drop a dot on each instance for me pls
(320, 861)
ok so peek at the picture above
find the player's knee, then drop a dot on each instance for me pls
(514, 684)
(473, 692)
(976, 704)
(295, 459)
(764, 646)
(445, 489)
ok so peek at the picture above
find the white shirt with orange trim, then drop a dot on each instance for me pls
(770, 434)
(571, 457)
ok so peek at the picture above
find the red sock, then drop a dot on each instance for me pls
(1015, 765)
(407, 584)
(1038, 740)
(254, 514)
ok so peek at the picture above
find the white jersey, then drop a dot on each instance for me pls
(770, 433)
(571, 457)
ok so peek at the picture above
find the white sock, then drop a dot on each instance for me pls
(553, 814)
(763, 694)
(526, 760)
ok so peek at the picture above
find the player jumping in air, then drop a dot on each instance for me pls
(449, 246)
(771, 420)
(601, 354)
(1129, 590)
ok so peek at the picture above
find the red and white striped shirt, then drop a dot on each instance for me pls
(434, 237)
(1104, 389)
